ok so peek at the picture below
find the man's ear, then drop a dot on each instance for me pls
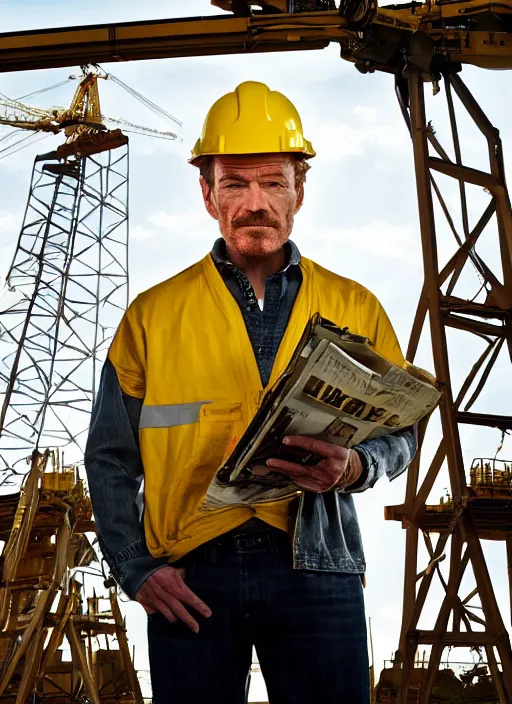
(300, 198)
(207, 191)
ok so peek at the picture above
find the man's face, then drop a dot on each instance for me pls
(254, 200)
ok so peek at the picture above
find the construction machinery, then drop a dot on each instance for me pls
(420, 44)
(44, 527)
(455, 684)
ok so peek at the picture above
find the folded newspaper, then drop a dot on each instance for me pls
(336, 388)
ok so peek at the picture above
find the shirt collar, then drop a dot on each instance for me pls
(220, 255)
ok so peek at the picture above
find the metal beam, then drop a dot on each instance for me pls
(493, 421)
(378, 46)
(456, 638)
(158, 39)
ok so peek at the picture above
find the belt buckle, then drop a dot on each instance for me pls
(247, 541)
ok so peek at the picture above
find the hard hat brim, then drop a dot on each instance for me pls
(196, 160)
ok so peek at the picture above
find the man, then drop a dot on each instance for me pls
(185, 374)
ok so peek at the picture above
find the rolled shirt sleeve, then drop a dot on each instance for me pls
(388, 456)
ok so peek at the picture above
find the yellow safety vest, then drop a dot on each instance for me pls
(183, 348)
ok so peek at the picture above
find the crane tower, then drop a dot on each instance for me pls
(67, 285)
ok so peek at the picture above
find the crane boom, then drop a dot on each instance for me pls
(139, 129)
(473, 32)
(84, 111)
(16, 114)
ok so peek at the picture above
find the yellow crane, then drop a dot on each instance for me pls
(74, 238)
(424, 35)
(82, 120)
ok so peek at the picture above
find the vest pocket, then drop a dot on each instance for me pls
(220, 426)
(179, 463)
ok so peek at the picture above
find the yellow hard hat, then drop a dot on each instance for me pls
(252, 120)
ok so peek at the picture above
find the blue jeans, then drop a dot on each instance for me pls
(309, 628)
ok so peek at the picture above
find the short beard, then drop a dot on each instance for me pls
(257, 245)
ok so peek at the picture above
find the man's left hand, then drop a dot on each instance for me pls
(338, 469)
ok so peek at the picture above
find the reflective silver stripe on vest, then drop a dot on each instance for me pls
(171, 415)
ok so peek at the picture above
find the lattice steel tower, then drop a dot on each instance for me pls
(68, 281)
(467, 295)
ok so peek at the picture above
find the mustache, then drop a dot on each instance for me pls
(255, 220)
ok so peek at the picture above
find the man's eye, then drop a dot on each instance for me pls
(233, 185)
(275, 184)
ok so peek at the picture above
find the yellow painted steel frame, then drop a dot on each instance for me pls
(465, 525)
(448, 30)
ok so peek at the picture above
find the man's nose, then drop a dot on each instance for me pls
(255, 199)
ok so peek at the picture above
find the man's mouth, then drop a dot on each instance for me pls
(255, 226)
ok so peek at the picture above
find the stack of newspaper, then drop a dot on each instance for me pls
(336, 388)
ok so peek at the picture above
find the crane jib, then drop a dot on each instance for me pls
(473, 32)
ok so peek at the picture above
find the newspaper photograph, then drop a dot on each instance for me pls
(336, 388)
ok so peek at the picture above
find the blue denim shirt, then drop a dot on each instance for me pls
(326, 536)
(265, 327)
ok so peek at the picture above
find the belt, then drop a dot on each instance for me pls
(253, 525)
(253, 535)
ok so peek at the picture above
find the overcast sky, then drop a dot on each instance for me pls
(359, 220)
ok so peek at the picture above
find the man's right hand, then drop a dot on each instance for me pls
(165, 591)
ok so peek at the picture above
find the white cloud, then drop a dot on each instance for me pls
(367, 113)
(8, 222)
(141, 234)
(377, 239)
(194, 223)
(337, 139)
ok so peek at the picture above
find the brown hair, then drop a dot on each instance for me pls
(207, 170)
